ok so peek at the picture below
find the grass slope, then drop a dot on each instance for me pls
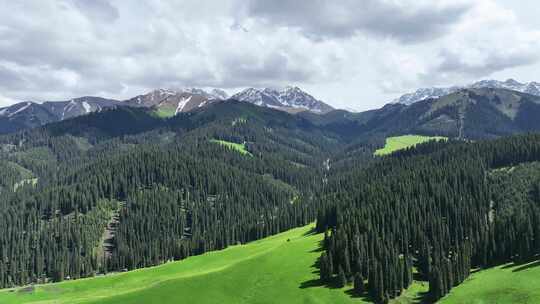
(165, 112)
(509, 284)
(278, 269)
(240, 148)
(405, 141)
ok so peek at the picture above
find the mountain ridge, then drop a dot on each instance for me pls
(283, 98)
(532, 88)
(166, 103)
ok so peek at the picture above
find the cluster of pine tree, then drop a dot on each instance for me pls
(109, 203)
(431, 210)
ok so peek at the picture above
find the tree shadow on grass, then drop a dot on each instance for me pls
(365, 297)
(423, 298)
(319, 248)
(318, 283)
(417, 276)
(527, 266)
(310, 232)
(531, 262)
(521, 263)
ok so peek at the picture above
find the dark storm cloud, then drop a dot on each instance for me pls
(322, 19)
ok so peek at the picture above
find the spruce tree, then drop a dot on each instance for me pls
(358, 284)
(341, 278)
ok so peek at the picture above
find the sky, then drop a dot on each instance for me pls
(354, 54)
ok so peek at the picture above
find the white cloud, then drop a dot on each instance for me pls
(488, 40)
(6, 101)
(350, 53)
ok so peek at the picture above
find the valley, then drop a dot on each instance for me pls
(124, 205)
(279, 268)
(269, 152)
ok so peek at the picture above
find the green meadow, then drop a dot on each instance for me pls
(165, 112)
(402, 142)
(240, 148)
(278, 269)
(508, 284)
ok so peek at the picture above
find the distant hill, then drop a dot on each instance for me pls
(164, 102)
(26, 115)
(472, 113)
(466, 113)
(532, 88)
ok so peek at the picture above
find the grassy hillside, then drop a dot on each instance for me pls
(402, 142)
(508, 284)
(240, 148)
(278, 269)
(165, 112)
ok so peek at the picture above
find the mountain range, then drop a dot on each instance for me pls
(532, 88)
(165, 102)
(126, 189)
(487, 108)
(29, 114)
(473, 113)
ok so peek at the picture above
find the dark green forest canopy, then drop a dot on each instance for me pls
(443, 208)
(111, 197)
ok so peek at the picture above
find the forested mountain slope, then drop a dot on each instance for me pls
(277, 269)
(124, 188)
(468, 113)
(168, 188)
(443, 208)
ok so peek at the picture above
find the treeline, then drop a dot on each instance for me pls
(220, 205)
(438, 210)
(179, 194)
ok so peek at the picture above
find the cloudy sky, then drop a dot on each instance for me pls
(356, 54)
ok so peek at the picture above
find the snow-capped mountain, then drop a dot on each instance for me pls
(424, 93)
(165, 102)
(171, 102)
(30, 114)
(78, 106)
(60, 109)
(288, 98)
(212, 94)
(532, 88)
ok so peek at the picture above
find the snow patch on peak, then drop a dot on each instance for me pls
(219, 94)
(87, 107)
(288, 97)
(213, 94)
(532, 88)
(166, 92)
(181, 104)
(28, 104)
